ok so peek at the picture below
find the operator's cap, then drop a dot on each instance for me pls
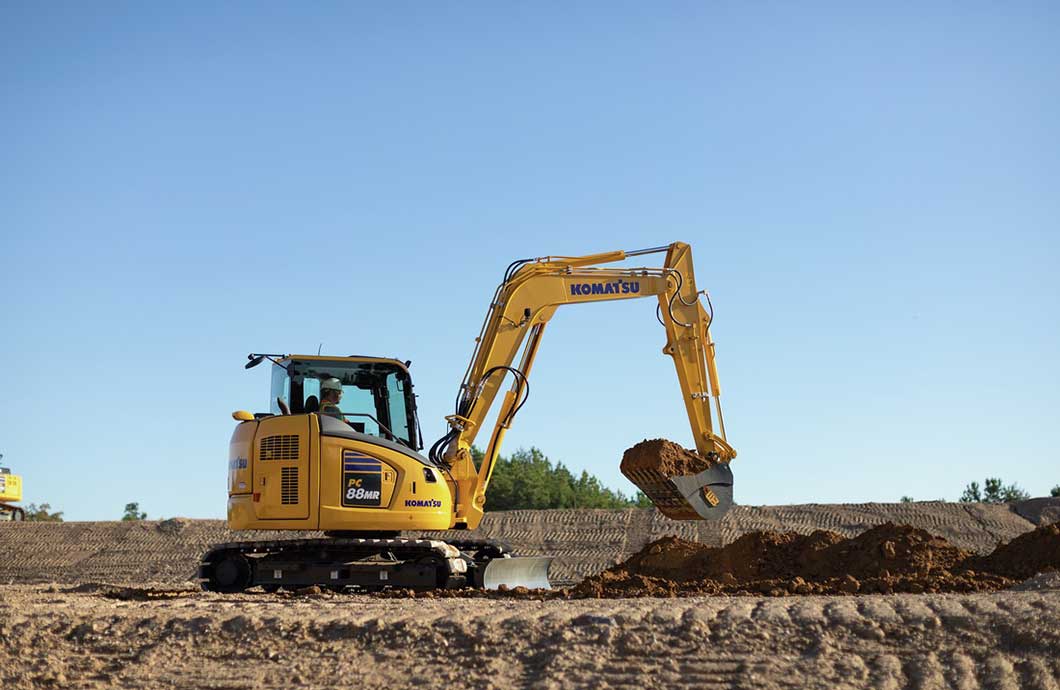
(331, 385)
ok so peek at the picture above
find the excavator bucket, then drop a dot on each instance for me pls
(681, 484)
(529, 572)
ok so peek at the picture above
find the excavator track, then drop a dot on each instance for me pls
(367, 565)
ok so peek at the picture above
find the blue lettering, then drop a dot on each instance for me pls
(423, 503)
(620, 287)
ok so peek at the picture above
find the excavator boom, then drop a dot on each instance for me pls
(523, 304)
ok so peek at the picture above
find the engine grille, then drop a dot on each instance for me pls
(288, 486)
(278, 448)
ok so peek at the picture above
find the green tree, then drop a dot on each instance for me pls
(132, 512)
(1055, 492)
(906, 499)
(994, 491)
(528, 479)
(641, 500)
(42, 513)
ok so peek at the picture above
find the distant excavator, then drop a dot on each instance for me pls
(339, 450)
(10, 492)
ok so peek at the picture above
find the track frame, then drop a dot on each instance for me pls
(339, 563)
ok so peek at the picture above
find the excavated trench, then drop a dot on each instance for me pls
(885, 559)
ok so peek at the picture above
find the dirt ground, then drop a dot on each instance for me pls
(885, 559)
(76, 612)
(583, 542)
(70, 636)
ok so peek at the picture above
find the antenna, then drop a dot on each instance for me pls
(319, 348)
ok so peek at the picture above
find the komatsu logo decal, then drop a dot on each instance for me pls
(424, 503)
(619, 287)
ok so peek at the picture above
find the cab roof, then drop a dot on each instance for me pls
(351, 358)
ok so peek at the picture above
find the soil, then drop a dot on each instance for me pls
(64, 636)
(1025, 555)
(885, 559)
(663, 456)
(123, 631)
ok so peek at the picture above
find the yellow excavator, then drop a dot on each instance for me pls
(339, 451)
(10, 492)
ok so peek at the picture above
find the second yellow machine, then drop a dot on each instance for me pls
(10, 492)
(340, 449)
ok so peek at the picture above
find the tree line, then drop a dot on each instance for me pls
(528, 479)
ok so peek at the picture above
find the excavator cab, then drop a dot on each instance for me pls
(376, 395)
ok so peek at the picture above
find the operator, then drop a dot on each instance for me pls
(330, 395)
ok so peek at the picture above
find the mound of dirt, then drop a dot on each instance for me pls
(1026, 555)
(897, 549)
(663, 456)
(887, 558)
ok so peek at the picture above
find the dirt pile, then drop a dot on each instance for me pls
(885, 559)
(663, 456)
(1026, 555)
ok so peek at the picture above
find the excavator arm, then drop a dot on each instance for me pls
(522, 306)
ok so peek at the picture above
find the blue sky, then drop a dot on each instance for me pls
(870, 193)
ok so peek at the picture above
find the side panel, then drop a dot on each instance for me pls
(10, 487)
(281, 466)
(350, 471)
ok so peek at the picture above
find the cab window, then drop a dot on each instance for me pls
(376, 399)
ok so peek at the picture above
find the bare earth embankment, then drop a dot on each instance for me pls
(60, 628)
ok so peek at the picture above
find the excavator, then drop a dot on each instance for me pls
(339, 451)
(10, 492)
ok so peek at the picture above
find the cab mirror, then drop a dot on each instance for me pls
(242, 416)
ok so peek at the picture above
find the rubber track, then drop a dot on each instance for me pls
(409, 549)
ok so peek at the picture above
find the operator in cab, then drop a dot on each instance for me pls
(330, 396)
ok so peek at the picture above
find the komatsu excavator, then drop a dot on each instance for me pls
(339, 450)
(10, 492)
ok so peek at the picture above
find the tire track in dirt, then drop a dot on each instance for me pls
(77, 637)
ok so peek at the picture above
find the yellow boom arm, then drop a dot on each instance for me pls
(522, 306)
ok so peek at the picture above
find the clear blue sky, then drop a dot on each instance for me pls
(872, 196)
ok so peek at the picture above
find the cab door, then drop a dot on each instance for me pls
(281, 468)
